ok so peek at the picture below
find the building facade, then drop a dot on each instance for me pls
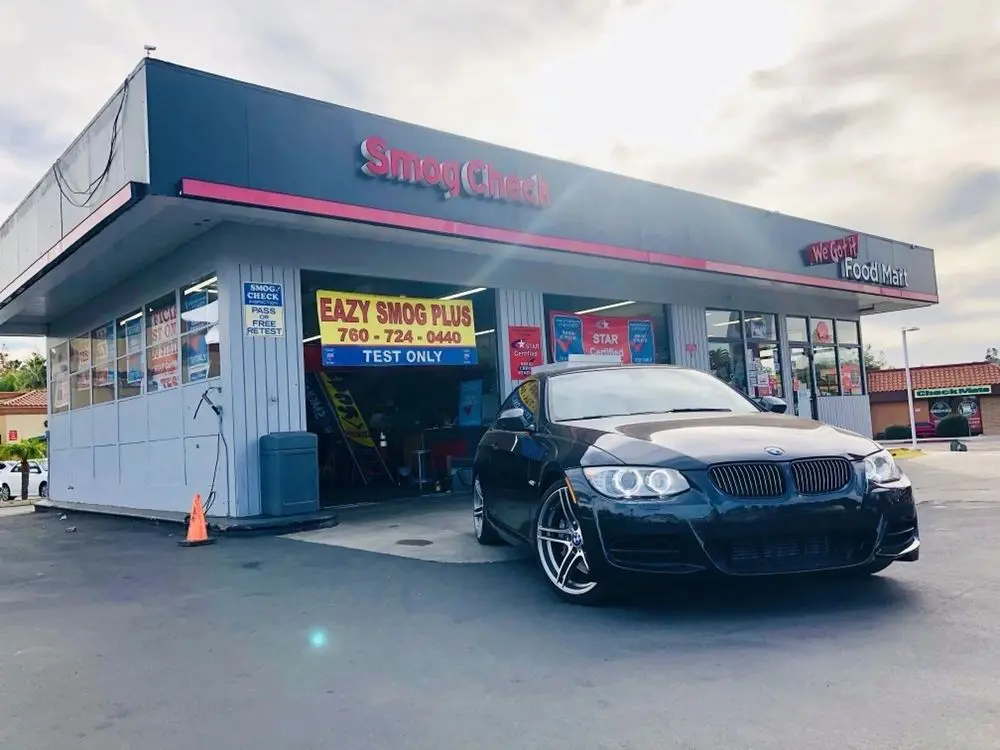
(971, 389)
(225, 222)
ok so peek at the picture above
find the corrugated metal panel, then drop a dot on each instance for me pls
(519, 309)
(266, 377)
(850, 412)
(689, 336)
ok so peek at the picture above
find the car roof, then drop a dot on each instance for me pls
(555, 369)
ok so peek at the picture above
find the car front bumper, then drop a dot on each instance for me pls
(700, 532)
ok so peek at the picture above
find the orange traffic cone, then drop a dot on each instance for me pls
(197, 533)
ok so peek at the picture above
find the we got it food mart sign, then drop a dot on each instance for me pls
(263, 309)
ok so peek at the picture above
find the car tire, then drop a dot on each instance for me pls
(485, 532)
(5, 496)
(558, 536)
(43, 489)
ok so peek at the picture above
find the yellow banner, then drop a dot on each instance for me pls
(347, 319)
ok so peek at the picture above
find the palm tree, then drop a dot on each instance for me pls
(23, 451)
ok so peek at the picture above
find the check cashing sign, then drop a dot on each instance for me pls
(263, 309)
(367, 330)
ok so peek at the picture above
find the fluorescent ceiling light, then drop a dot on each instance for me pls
(201, 285)
(466, 293)
(488, 330)
(311, 338)
(734, 322)
(131, 318)
(612, 306)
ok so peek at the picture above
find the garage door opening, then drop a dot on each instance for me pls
(401, 381)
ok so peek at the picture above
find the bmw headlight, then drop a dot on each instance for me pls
(881, 467)
(635, 482)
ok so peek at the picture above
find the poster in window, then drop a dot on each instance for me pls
(104, 343)
(162, 366)
(133, 370)
(194, 352)
(197, 311)
(133, 336)
(60, 394)
(525, 350)
(79, 354)
(162, 324)
(59, 359)
(630, 339)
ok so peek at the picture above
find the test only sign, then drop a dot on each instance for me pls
(369, 330)
(263, 309)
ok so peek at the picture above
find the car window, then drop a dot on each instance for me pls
(640, 390)
(525, 397)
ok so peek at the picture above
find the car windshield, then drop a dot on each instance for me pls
(591, 394)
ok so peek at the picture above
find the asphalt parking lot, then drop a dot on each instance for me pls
(114, 637)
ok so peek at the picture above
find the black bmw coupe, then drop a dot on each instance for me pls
(610, 470)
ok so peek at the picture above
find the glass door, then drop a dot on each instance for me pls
(803, 390)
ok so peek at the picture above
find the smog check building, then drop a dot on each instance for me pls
(308, 268)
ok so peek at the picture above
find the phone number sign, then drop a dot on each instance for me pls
(263, 309)
(367, 330)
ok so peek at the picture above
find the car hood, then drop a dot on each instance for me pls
(694, 441)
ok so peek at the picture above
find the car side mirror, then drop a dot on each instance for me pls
(774, 404)
(512, 420)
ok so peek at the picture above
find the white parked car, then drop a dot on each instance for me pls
(10, 479)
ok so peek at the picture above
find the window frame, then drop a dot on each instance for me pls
(810, 345)
(203, 284)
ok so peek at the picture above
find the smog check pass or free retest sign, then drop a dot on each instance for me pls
(263, 309)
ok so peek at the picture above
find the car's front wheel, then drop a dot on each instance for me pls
(560, 550)
(43, 489)
(484, 530)
(4, 493)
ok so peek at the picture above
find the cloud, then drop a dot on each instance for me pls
(877, 116)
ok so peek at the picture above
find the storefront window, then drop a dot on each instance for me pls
(798, 330)
(79, 368)
(727, 362)
(632, 331)
(850, 371)
(761, 326)
(825, 363)
(129, 369)
(763, 354)
(821, 331)
(162, 365)
(59, 374)
(200, 329)
(847, 332)
(802, 380)
(102, 375)
(765, 369)
(723, 324)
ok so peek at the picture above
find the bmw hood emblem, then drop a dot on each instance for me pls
(774, 451)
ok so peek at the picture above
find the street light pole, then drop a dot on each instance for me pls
(909, 387)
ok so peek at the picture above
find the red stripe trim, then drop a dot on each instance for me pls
(349, 212)
(99, 214)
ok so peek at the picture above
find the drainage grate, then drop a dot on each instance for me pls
(414, 542)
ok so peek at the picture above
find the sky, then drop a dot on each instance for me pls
(880, 117)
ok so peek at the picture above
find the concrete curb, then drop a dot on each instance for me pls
(263, 525)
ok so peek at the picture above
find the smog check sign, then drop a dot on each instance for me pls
(263, 309)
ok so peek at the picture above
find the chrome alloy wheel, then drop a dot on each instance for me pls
(560, 545)
(477, 509)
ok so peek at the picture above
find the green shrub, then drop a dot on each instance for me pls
(897, 432)
(953, 426)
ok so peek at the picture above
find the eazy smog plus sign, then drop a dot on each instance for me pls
(474, 178)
